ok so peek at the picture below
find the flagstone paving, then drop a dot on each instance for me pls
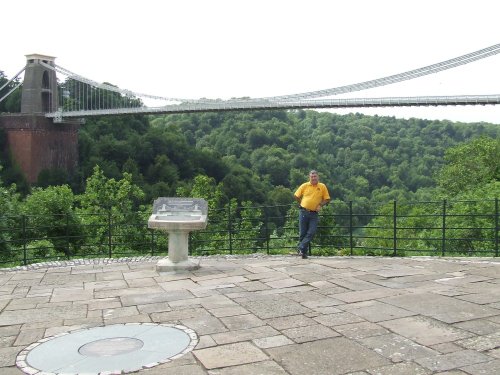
(272, 315)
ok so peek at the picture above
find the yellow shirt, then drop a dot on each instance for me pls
(312, 195)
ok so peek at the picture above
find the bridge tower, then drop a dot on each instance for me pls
(33, 140)
(39, 94)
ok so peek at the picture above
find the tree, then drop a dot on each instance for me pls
(50, 216)
(106, 202)
(246, 226)
(9, 209)
(470, 165)
(205, 187)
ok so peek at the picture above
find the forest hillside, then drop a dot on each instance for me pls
(262, 156)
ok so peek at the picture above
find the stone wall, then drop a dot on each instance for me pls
(36, 143)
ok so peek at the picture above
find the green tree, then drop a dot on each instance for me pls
(470, 165)
(9, 210)
(112, 205)
(247, 228)
(205, 187)
(50, 216)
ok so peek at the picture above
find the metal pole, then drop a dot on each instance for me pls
(443, 238)
(110, 252)
(350, 227)
(266, 232)
(68, 254)
(23, 223)
(394, 235)
(497, 229)
(229, 228)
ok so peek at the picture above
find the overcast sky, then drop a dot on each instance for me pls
(230, 48)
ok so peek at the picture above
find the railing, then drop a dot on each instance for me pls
(440, 228)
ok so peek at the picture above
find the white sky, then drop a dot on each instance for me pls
(229, 48)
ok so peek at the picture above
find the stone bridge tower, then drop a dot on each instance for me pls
(34, 141)
(39, 93)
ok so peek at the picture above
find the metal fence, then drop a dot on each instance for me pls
(439, 228)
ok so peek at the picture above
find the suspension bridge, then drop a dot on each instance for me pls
(54, 102)
(71, 95)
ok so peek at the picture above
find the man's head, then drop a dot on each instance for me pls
(313, 177)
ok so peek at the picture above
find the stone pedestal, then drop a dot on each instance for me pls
(166, 265)
(178, 217)
(178, 243)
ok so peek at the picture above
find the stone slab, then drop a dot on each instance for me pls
(453, 361)
(425, 331)
(263, 368)
(397, 348)
(273, 307)
(446, 309)
(230, 355)
(344, 356)
(309, 333)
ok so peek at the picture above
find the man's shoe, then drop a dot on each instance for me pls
(304, 256)
(299, 250)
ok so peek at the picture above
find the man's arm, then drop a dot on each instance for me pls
(322, 203)
(325, 200)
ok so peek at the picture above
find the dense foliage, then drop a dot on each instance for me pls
(262, 156)
(471, 178)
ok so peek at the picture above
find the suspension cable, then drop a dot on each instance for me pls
(9, 82)
(448, 64)
(10, 92)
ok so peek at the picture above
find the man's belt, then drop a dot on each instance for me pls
(305, 209)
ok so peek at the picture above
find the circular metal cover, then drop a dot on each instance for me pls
(118, 348)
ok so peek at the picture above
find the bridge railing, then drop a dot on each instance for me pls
(439, 228)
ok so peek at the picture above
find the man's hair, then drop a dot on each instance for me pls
(314, 171)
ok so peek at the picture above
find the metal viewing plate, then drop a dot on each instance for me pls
(120, 348)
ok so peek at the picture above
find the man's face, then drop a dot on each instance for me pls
(313, 178)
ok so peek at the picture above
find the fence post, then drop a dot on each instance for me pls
(394, 236)
(497, 229)
(229, 228)
(152, 242)
(266, 231)
(443, 238)
(350, 227)
(110, 243)
(25, 240)
(68, 253)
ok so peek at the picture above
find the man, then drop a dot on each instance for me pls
(311, 196)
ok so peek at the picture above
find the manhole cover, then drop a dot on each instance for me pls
(118, 348)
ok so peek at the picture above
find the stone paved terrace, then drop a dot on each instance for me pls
(274, 315)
